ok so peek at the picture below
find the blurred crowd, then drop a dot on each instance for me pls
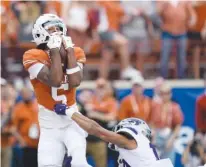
(20, 130)
(133, 31)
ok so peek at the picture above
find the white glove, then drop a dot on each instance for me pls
(71, 110)
(67, 42)
(55, 41)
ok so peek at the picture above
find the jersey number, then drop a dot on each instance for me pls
(154, 151)
(124, 163)
(62, 98)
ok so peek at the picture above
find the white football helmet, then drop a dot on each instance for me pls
(134, 124)
(45, 21)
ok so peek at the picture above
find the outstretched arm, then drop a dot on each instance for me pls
(95, 129)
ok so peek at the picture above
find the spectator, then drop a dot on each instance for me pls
(102, 107)
(136, 104)
(159, 81)
(176, 17)
(8, 96)
(8, 24)
(75, 14)
(26, 128)
(196, 36)
(112, 39)
(54, 7)
(200, 112)
(166, 120)
(194, 154)
(137, 27)
(26, 13)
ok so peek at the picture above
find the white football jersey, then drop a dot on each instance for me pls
(144, 155)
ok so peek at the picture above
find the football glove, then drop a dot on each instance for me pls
(67, 42)
(63, 109)
(60, 109)
(55, 41)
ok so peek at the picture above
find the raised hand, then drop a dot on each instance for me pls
(67, 42)
(54, 42)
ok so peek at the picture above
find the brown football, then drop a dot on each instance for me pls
(63, 55)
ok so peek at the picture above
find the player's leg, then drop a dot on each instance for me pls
(75, 141)
(51, 149)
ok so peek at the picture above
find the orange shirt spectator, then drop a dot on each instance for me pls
(132, 107)
(8, 22)
(26, 127)
(200, 9)
(166, 121)
(106, 109)
(168, 115)
(114, 13)
(201, 113)
(25, 119)
(176, 16)
(135, 105)
(102, 105)
(54, 7)
(108, 104)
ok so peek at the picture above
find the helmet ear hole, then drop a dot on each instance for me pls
(47, 38)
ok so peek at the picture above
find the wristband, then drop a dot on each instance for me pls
(73, 70)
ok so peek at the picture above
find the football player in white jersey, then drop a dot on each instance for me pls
(131, 138)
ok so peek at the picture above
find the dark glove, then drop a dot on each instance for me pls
(60, 109)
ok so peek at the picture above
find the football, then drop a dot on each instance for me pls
(64, 58)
